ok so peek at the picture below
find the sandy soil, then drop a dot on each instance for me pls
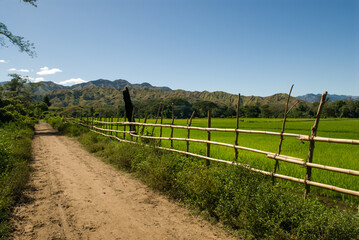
(73, 195)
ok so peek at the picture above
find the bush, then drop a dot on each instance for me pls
(15, 153)
(65, 127)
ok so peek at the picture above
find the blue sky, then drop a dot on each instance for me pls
(252, 47)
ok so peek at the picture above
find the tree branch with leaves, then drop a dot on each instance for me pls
(24, 45)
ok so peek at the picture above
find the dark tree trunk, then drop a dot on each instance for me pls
(128, 108)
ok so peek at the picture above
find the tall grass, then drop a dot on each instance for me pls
(15, 153)
(244, 201)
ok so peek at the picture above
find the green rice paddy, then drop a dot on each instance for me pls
(330, 154)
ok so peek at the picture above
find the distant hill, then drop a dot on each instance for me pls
(100, 96)
(104, 92)
(117, 84)
(47, 87)
(332, 97)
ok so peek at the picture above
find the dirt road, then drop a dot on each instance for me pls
(73, 195)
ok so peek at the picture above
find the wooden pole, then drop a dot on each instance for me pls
(173, 120)
(111, 124)
(237, 126)
(100, 124)
(161, 126)
(157, 116)
(132, 127)
(188, 131)
(128, 107)
(311, 145)
(118, 119)
(276, 165)
(143, 127)
(208, 150)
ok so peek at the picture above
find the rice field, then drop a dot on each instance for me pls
(330, 154)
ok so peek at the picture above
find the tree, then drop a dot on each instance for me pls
(24, 45)
(47, 101)
(202, 107)
(19, 88)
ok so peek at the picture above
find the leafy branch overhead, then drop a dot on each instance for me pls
(24, 45)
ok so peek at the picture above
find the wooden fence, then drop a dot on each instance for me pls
(106, 128)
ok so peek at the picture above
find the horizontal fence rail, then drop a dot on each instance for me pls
(300, 137)
(105, 127)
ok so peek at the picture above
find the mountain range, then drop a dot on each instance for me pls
(109, 93)
(103, 92)
(332, 97)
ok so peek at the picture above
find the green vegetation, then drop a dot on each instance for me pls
(15, 154)
(330, 154)
(108, 102)
(104, 98)
(18, 114)
(243, 201)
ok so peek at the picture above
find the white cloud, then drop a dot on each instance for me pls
(2, 61)
(47, 71)
(72, 81)
(18, 70)
(39, 79)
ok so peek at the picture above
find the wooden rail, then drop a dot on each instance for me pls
(298, 161)
(300, 137)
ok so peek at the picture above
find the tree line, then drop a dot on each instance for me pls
(17, 102)
(183, 109)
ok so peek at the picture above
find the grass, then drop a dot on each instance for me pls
(15, 153)
(242, 200)
(330, 154)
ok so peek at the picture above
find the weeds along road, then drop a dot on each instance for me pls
(73, 195)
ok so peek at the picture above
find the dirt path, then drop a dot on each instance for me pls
(73, 195)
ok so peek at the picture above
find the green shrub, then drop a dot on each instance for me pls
(15, 153)
(65, 127)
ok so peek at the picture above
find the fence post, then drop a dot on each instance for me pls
(128, 107)
(208, 150)
(311, 144)
(173, 120)
(118, 119)
(99, 124)
(138, 126)
(143, 127)
(111, 125)
(188, 131)
(161, 125)
(124, 129)
(132, 127)
(276, 164)
(237, 126)
(158, 114)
